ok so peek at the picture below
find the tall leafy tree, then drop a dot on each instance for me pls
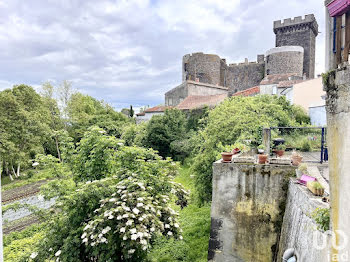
(24, 125)
(162, 130)
(56, 122)
(85, 111)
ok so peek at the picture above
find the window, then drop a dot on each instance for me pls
(267, 71)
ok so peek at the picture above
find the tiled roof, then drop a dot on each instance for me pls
(156, 109)
(248, 92)
(289, 83)
(193, 102)
(275, 79)
(140, 114)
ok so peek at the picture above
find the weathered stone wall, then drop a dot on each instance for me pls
(285, 60)
(211, 69)
(247, 210)
(337, 86)
(245, 75)
(189, 88)
(176, 95)
(299, 228)
(205, 67)
(299, 32)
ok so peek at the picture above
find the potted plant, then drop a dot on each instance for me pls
(296, 158)
(261, 149)
(226, 156)
(316, 188)
(303, 169)
(280, 150)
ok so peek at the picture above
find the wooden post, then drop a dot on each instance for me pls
(338, 39)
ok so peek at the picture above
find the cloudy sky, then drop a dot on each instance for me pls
(130, 51)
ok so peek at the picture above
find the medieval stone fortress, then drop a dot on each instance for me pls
(293, 58)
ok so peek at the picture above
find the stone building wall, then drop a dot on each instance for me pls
(212, 69)
(299, 32)
(245, 75)
(247, 211)
(285, 60)
(299, 228)
(205, 67)
(190, 88)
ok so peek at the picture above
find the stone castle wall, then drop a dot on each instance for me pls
(299, 32)
(285, 60)
(211, 69)
(243, 76)
(205, 67)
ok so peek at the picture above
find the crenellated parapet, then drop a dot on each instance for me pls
(298, 23)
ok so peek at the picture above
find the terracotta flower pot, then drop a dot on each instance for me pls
(227, 156)
(262, 159)
(236, 151)
(296, 160)
(280, 152)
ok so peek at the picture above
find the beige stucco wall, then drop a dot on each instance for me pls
(308, 93)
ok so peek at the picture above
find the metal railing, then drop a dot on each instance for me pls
(320, 138)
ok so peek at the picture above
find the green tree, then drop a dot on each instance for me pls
(236, 120)
(24, 126)
(117, 216)
(56, 122)
(85, 111)
(162, 130)
(131, 112)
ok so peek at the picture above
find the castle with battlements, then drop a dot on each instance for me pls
(209, 75)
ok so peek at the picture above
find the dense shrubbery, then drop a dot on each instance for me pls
(114, 192)
(119, 203)
(237, 119)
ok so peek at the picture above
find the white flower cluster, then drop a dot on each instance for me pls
(133, 215)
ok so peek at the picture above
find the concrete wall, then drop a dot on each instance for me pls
(298, 227)
(189, 88)
(247, 211)
(309, 93)
(337, 85)
(285, 60)
(299, 32)
(318, 115)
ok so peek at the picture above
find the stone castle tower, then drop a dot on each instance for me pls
(299, 32)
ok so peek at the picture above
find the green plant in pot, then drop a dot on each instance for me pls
(280, 150)
(261, 149)
(262, 158)
(316, 188)
(296, 158)
(303, 169)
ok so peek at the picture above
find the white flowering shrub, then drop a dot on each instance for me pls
(116, 216)
(128, 220)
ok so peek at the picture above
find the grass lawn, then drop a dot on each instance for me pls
(195, 222)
